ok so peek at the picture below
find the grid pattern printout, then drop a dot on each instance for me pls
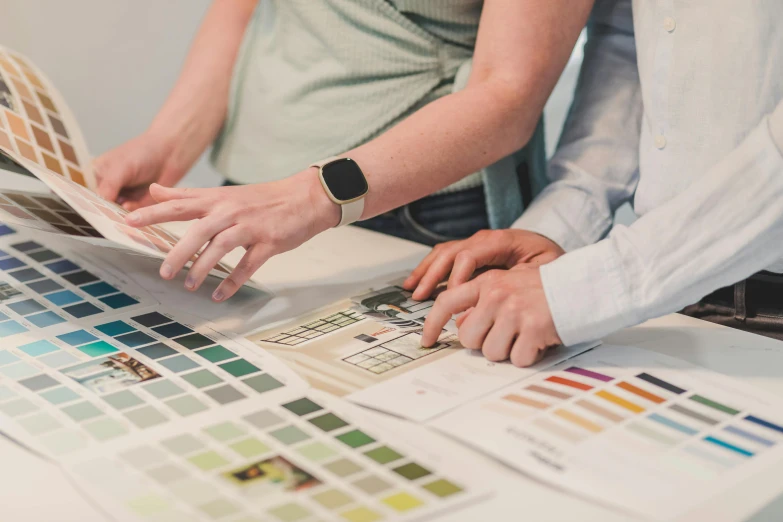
(315, 329)
(393, 353)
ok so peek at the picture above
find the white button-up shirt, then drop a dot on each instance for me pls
(678, 108)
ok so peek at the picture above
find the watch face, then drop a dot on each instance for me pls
(344, 179)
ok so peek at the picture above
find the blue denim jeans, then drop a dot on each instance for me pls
(433, 219)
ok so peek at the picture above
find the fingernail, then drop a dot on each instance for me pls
(166, 271)
(133, 218)
(218, 295)
(190, 282)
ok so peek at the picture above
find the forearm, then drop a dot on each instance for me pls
(594, 169)
(196, 108)
(726, 226)
(492, 117)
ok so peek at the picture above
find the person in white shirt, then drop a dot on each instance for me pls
(679, 108)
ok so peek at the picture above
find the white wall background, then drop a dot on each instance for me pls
(115, 60)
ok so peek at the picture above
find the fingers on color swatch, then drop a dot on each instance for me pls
(45, 289)
(644, 413)
(299, 461)
(32, 125)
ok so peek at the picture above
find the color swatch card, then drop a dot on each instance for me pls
(81, 387)
(634, 429)
(39, 137)
(369, 349)
(292, 457)
(81, 214)
(36, 124)
(42, 289)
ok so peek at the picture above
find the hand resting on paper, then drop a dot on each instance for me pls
(265, 219)
(504, 314)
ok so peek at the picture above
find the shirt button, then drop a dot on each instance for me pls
(669, 24)
(660, 141)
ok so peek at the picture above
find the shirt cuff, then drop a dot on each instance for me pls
(588, 294)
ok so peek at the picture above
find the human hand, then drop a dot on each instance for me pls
(502, 248)
(506, 316)
(265, 219)
(125, 173)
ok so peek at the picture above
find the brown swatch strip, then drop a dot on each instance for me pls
(640, 392)
(546, 391)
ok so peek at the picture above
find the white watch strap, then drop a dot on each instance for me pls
(351, 212)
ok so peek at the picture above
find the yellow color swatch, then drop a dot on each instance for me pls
(361, 514)
(402, 502)
(628, 405)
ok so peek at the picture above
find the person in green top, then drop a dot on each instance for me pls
(434, 99)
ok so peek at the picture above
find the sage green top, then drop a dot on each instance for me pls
(316, 78)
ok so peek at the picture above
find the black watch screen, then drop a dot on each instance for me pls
(345, 179)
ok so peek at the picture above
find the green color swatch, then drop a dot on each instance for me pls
(328, 422)
(202, 378)
(240, 368)
(412, 471)
(442, 488)
(714, 405)
(263, 383)
(302, 406)
(355, 438)
(290, 435)
(383, 455)
(216, 354)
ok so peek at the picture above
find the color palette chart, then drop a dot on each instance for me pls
(303, 458)
(642, 431)
(44, 288)
(87, 386)
(47, 213)
(34, 124)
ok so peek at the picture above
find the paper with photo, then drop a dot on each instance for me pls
(294, 454)
(368, 349)
(633, 429)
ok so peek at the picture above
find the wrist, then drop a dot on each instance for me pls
(325, 213)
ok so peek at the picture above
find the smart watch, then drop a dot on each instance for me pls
(345, 184)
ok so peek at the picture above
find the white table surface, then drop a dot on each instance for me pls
(343, 261)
